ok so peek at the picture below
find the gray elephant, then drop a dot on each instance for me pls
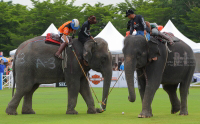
(170, 70)
(35, 64)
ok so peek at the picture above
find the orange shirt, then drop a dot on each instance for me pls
(64, 29)
(127, 33)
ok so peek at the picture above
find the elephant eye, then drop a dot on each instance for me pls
(103, 60)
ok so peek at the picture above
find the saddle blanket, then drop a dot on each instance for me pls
(52, 38)
(171, 36)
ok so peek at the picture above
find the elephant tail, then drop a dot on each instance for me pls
(13, 68)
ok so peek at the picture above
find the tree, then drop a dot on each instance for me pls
(19, 23)
(181, 8)
(10, 18)
(193, 23)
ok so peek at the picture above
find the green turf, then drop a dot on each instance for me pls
(50, 107)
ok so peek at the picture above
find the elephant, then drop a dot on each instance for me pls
(174, 66)
(35, 64)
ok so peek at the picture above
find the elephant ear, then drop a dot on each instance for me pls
(153, 48)
(87, 50)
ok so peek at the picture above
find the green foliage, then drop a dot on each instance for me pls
(19, 23)
(10, 18)
(193, 23)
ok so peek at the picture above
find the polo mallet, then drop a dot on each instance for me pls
(87, 79)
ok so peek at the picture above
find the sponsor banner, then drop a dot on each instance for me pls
(96, 79)
(61, 84)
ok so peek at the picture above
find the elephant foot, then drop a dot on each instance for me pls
(183, 113)
(72, 112)
(175, 110)
(145, 115)
(10, 111)
(91, 111)
(98, 110)
(29, 111)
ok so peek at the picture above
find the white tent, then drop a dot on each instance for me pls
(169, 27)
(12, 53)
(50, 29)
(113, 37)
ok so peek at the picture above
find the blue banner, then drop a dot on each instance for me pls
(1, 81)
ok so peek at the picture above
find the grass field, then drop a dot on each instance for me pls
(50, 107)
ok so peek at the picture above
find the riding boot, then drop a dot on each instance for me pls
(170, 41)
(60, 49)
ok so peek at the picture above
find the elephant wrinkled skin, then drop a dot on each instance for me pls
(170, 70)
(35, 64)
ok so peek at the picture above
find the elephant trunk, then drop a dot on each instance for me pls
(129, 67)
(107, 74)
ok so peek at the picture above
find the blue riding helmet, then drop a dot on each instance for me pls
(75, 24)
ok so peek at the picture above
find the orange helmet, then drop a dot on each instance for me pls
(160, 27)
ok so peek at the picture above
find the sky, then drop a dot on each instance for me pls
(77, 2)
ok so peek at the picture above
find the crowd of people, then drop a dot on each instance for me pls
(5, 67)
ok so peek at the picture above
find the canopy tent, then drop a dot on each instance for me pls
(50, 29)
(113, 37)
(169, 27)
(13, 52)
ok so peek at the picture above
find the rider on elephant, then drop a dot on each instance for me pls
(129, 24)
(156, 32)
(84, 33)
(65, 30)
(137, 22)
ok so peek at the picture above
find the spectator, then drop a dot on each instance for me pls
(119, 64)
(9, 67)
(122, 66)
(2, 66)
(115, 67)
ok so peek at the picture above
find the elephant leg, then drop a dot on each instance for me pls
(12, 106)
(73, 86)
(27, 105)
(147, 101)
(142, 86)
(141, 83)
(171, 90)
(184, 91)
(154, 75)
(14, 103)
(87, 96)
